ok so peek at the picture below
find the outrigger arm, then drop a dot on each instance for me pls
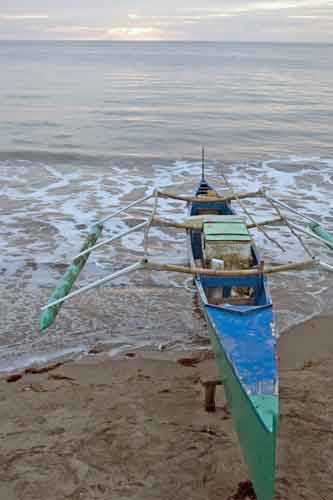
(95, 284)
(62, 291)
(316, 228)
(71, 275)
(114, 238)
(194, 271)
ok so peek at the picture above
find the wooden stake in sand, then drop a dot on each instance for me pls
(210, 393)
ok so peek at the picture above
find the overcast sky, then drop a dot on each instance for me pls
(243, 20)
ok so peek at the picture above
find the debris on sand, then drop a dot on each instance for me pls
(245, 492)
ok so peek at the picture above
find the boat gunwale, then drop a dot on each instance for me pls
(232, 310)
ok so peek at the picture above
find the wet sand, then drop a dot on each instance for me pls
(136, 428)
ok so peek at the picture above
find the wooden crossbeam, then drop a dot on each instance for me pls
(269, 222)
(306, 264)
(196, 224)
(208, 199)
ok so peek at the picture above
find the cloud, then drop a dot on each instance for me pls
(259, 6)
(327, 20)
(103, 32)
(285, 5)
(193, 15)
(135, 33)
(174, 17)
(23, 17)
(260, 20)
(76, 30)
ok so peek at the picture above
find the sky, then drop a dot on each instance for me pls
(216, 20)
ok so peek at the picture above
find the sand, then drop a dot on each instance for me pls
(136, 428)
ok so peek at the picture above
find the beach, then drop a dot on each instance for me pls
(108, 403)
(136, 427)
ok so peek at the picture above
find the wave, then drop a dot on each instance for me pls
(47, 206)
(75, 158)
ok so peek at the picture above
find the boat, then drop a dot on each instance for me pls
(239, 314)
(231, 281)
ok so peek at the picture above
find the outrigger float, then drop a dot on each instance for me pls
(232, 284)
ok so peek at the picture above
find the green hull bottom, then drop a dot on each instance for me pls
(320, 231)
(255, 420)
(69, 278)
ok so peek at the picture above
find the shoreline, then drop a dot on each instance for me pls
(128, 428)
(38, 244)
(103, 351)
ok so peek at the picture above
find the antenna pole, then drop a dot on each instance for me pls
(203, 164)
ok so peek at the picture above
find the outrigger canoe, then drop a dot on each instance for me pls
(241, 330)
(232, 284)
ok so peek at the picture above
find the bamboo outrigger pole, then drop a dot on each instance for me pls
(196, 224)
(207, 199)
(294, 266)
(194, 271)
(157, 221)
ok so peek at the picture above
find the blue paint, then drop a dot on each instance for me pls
(240, 309)
(216, 282)
(249, 345)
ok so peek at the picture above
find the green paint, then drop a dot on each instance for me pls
(232, 227)
(266, 406)
(227, 237)
(320, 231)
(69, 278)
(230, 219)
(255, 420)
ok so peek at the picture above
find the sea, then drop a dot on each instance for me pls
(88, 127)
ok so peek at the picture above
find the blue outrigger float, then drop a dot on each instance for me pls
(232, 285)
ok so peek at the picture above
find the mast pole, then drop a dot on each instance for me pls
(203, 164)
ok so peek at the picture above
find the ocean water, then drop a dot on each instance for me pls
(87, 127)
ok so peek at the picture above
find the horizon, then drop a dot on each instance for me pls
(225, 42)
(243, 21)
